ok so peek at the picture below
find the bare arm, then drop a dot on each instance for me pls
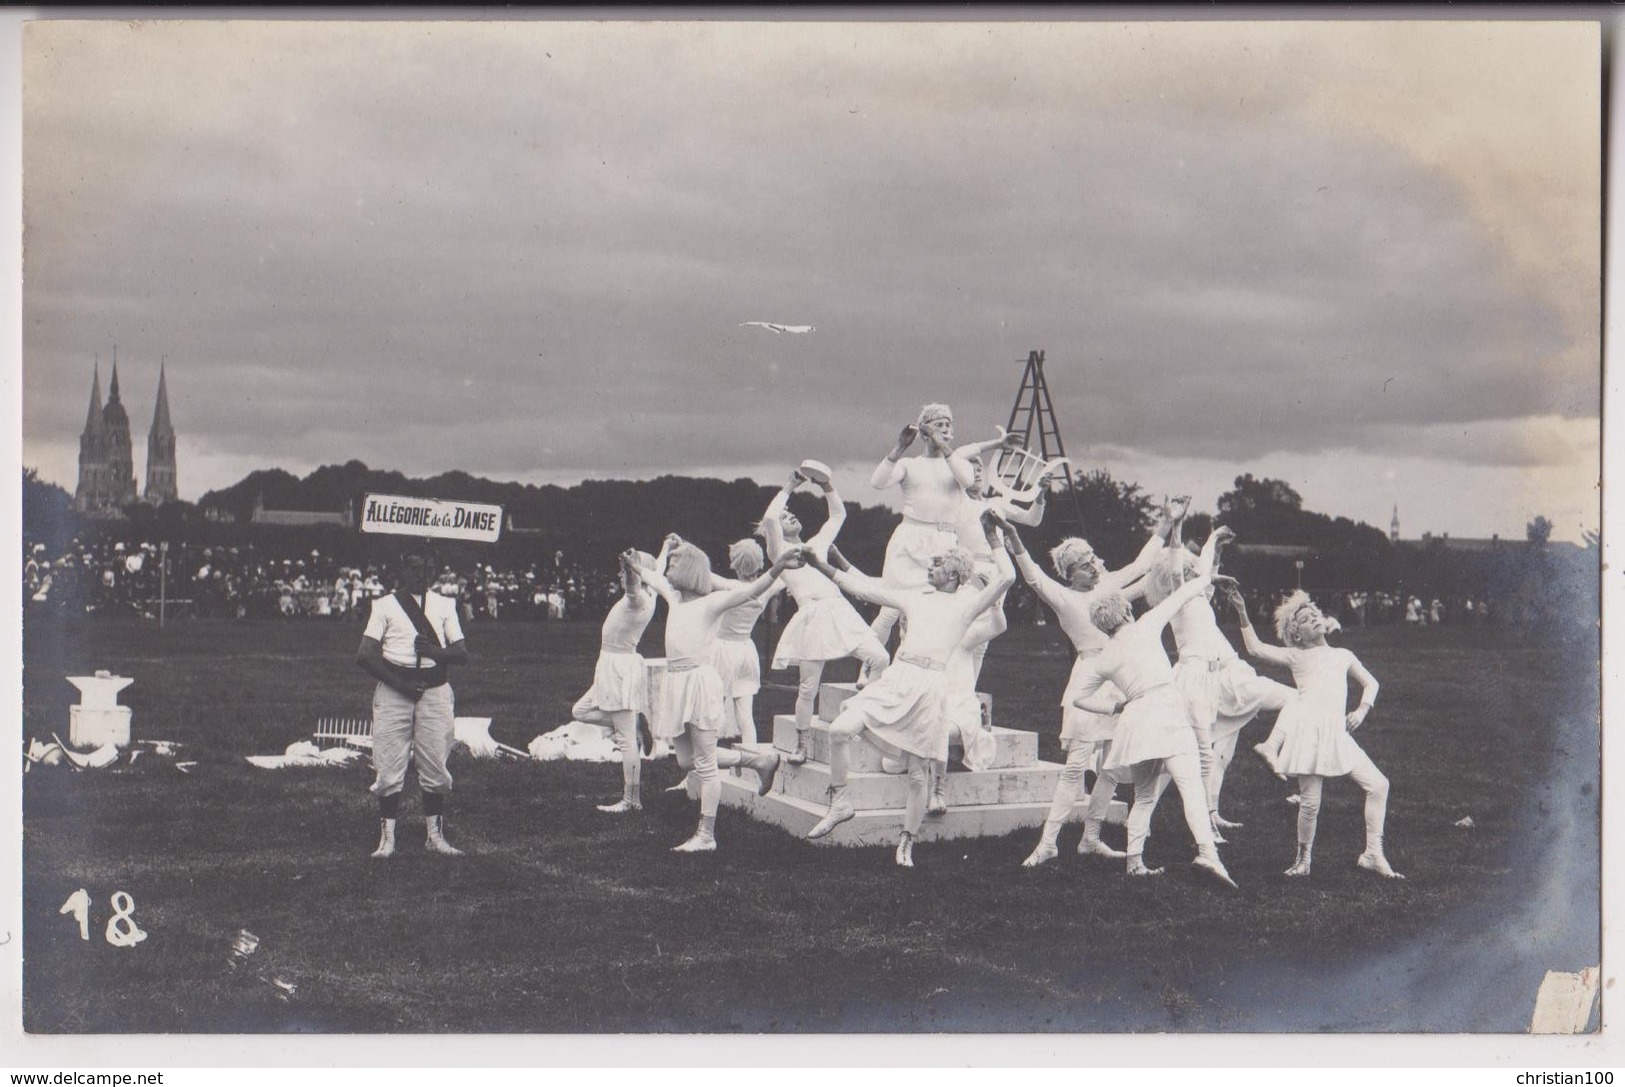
(772, 529)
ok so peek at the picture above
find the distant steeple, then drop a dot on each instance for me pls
(120, 477)
(160, 414)
(93, 420)
(161, 481)
(1393, 526)
(91, 492)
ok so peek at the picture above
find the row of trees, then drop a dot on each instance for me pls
(593, 520)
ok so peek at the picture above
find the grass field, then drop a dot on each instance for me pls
(563, 919)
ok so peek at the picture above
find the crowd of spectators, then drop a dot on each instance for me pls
(117, 578)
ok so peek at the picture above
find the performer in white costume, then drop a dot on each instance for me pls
(966, 723)
(693, 708)
(1085, 736)
(933, 486)
(737, 661)
(825, 626)
(1220, 689)
(905, 712)
(620, 678)
(1317, 731)
(1154, 736)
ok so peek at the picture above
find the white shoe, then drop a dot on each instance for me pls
(1300, 865)
(905, 853)
(1221, 823)
(766, 767)
(1294, 799)
(619, 807)
(1138, 868)
(1376, 862)
(1094, 847)
(840, 810)
(436, 842)
(1264, 753)
(386, 840)
(1214, 866)
(699, 843)
(935, 804)
(1043, 853)
(799, 755)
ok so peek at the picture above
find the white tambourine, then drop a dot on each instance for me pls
(815, 471)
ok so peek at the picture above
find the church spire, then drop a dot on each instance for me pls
(112, 388)
(160, 414)
(93, 421)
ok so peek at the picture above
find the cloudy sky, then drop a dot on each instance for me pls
(1363, 258)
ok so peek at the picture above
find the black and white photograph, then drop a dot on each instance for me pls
(773, 524)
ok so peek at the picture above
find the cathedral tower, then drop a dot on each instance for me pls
(161, 486)
(92, 452)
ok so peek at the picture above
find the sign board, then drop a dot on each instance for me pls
(396, 515)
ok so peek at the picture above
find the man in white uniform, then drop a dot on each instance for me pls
(411, 636)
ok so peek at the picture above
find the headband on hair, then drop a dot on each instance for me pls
(934, 411)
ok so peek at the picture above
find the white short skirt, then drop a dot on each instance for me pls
(739, 666)
(907, 708)
(1228, 696)
(619, 682)
(1153, 726)
(977, 743)
(689, 696)
(821, 630)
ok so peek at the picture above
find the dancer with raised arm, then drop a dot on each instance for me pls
(1154, 736)
(933, 485)
(966, 723)
(1318, 740)
(1220, 689)
(693, 708)
(825, 626)
(737, 661)
(1085, 736)
(905, 712)
(620, 679)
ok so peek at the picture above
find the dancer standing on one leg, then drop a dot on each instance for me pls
(1085, 736)
(1154, 736)
(1220, 689)
(1318, 744)
(825, 626)
(905, 711)
(693, 708)
(620, 679)
(933, 486)
(411, 636)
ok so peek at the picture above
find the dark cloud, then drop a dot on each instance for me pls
(453, 248)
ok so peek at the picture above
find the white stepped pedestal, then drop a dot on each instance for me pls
(1013, 794)
(98, 719)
